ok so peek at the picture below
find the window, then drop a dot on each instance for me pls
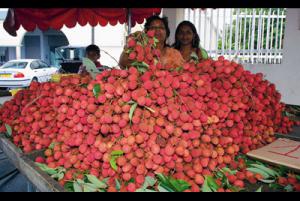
(14, 65)
(34, 65)
(43, 64)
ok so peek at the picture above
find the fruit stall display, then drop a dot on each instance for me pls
(152, 127)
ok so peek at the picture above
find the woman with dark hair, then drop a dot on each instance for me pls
(169, 56)
(187, 41)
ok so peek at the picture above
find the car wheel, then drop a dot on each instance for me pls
(34, 79)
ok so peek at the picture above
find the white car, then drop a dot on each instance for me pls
(20, 73)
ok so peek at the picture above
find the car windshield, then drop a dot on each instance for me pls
(14, 65)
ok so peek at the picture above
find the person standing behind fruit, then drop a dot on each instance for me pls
(169, 56)
(187, 41)
(93, 53)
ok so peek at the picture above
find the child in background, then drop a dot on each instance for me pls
(93, 53)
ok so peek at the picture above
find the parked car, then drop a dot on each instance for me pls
(20, 73)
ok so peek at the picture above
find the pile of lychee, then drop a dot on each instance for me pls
(183, 122)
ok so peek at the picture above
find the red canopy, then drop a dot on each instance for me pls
(55, 18)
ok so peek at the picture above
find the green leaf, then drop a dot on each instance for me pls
(267, 181)
(298, 177)
(164, 182)
(79, 181)
(226, 169)
(149, 181)
(283, 170)
(113, 163)
(235, 189)
(212, 183)
(61, 176)
(69, 186)
(225, 181)
(132, 109)
(150, 109)
(140, 190)
(142, 69)
(94, 180)
(105, 180)
(140, 64)
(77, 187)
(118, 185)
(46, 169)
(96, 90)
(259, 163)
(84, 85)
(114, 155)
(259, 189)
(58, 176)
(206, 187)
(162, 178)
(172, 184)
(162, 189)
(166, 187)
(259, 171)
(289, 188)
(131, 181)
(52, 145)
(267, 170)
(88, 187)
(179, 68)
(117, 153)
(60, 169)
(219, 174)
(180, 185)
(150, 191)
(8, 130)
(275, 186)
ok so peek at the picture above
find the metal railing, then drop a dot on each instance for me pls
(247, 35)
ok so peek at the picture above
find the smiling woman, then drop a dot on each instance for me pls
(187, 41)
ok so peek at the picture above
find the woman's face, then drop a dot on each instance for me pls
(160, 30)
(185, 35)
